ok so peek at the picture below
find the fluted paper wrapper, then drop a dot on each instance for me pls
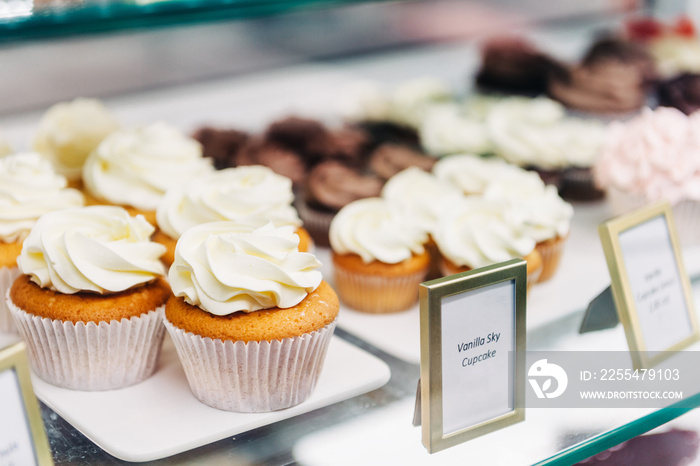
(89, 356)
(7, 277)
(378, 294)
(252, 377)
(686, 213)
(551, 252)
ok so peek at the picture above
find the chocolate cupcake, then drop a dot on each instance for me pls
(330, 186)
(222, 145)
(682, 92)
(283, 161)
(614, 77)
(389, 159)
(513, 65)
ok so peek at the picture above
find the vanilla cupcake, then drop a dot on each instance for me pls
(70, 131)
(545, 216)
(471, 174)
(446, 129)
(253, 195)
(421, 198)
(379, 256)
(91, 298)
(537, 134)
(134, 167)
(29, 188)
(477, 232)
(251, 317)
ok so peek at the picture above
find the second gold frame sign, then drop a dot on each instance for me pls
(650, 286)
(472, 353)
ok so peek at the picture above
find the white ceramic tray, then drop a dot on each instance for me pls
(160, 417)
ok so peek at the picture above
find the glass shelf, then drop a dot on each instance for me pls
(25, 19)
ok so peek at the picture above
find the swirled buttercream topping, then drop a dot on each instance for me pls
(247, 194)
(227, 267)
(471, 173)
(445, 130)
(29, 188)
(70, 131)
(655, 155)
(365, 101)
(476, 232)
(137, 166)
(420, 196)
(545, 215)
(412, 99)
(374, 229)
(101, 249)
(537, 132)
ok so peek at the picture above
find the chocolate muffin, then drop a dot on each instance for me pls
(681, 92)
(513, 65)
(614, 76)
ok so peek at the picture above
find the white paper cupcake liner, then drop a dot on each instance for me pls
(686, 213)
(252, 377)
(7, 277)
(378, 294)
(89, 356)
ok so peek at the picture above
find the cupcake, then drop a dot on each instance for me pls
(537, 134)
(447, 130)
(681, 92)
(653, 157)
(513, 65)
(221, 145)
(91, 299)
(389, 159)
(614, 77)
(134, 167)
(379, 258)
(70, 131)
(477, 232)
(331, 185)
(471, 174)
(545, 216)
(29, 188)
(251, 317)
(252, 195)
(421, 197)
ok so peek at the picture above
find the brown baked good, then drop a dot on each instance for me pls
(318, 309)
(222, 145)
(389, 159)
(88, 307)
(9, 253)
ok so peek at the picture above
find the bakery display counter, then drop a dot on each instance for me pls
(362, 409)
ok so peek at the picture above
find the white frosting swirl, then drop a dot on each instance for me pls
(29, 188)
(98, 248)
(227, 267)
(420, 196)
(471, 174)
(374, 229)
(5, 147)
(250, 194)
(365, 101)
(135, 167)
(537, 132)
(675, 55)
(544, 214)
(445, 130)
(477, 232)
(411, 100)
(70, 131)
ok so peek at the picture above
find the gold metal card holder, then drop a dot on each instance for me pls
(27, 428)
(479, 305)
(650, 286)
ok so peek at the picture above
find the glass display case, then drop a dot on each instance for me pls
(235, 64)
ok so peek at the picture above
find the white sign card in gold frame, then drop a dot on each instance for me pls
(22, 436)
(650, 286)
(472, 353)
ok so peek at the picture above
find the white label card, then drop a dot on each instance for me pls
(655, 281)
(16, 446)
(478, 348)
